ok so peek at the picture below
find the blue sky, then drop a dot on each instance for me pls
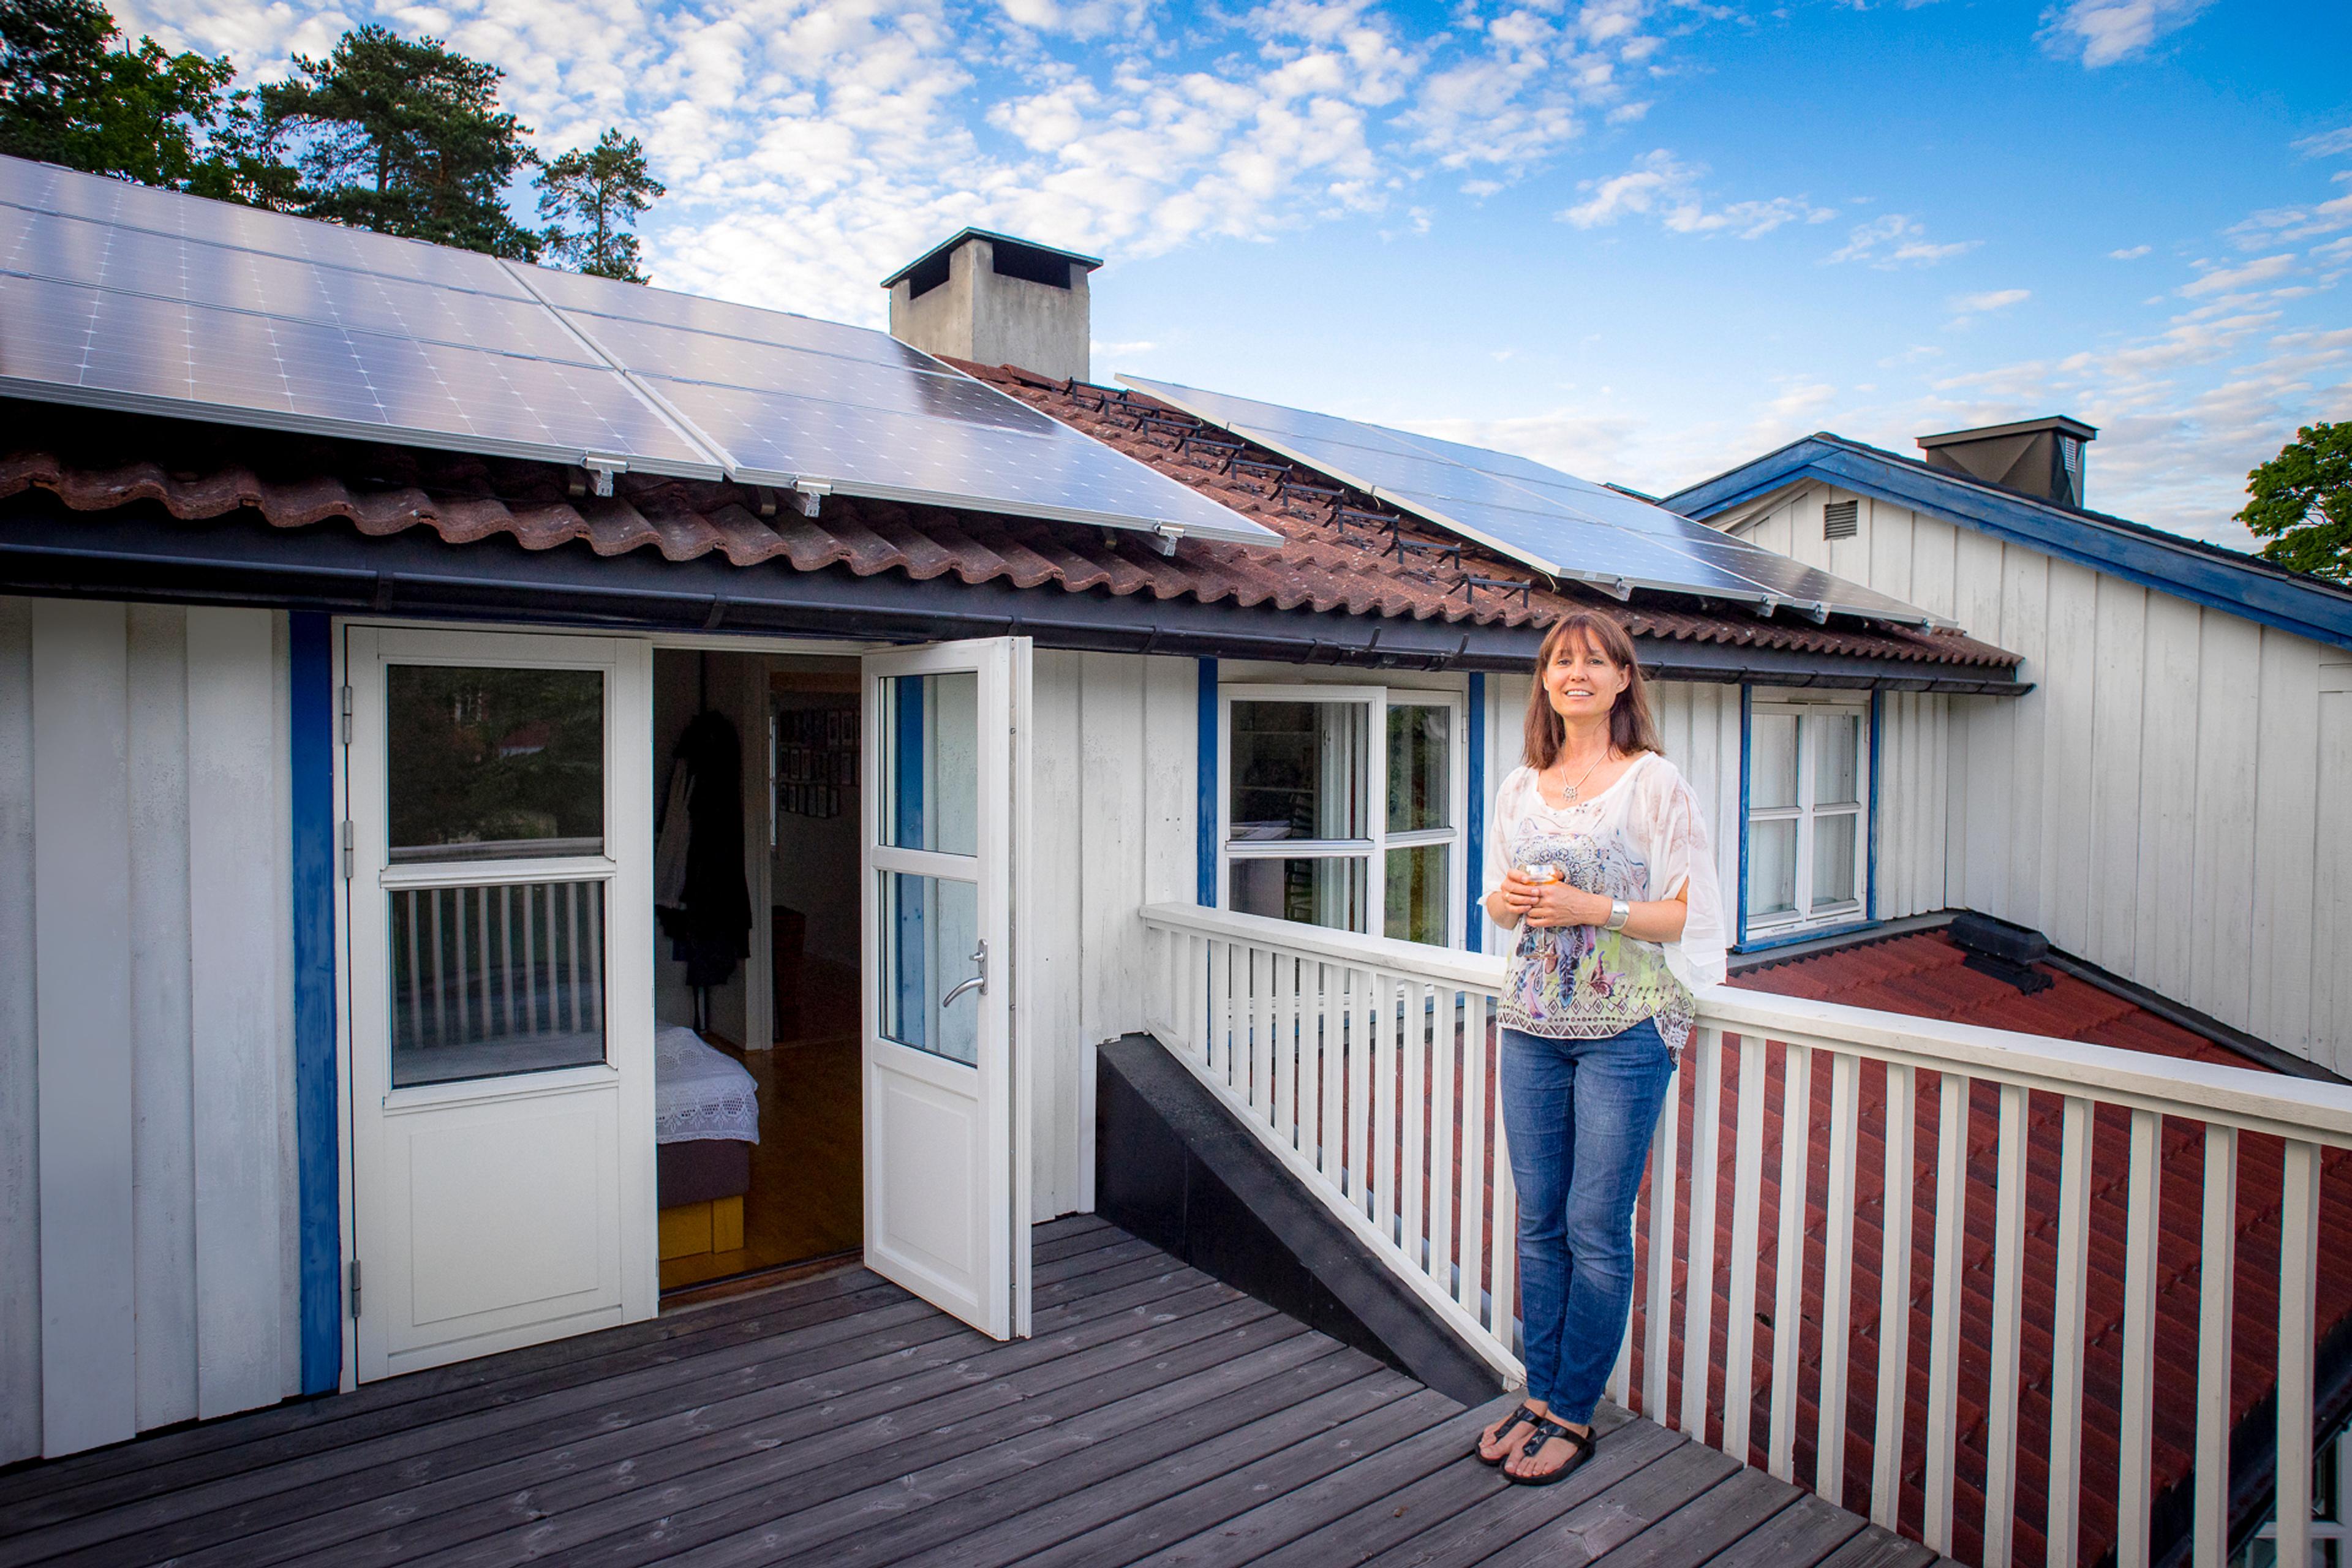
(1642, 240)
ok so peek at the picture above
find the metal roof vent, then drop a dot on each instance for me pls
(2041, 458)
(996, 300)
(1840, 519)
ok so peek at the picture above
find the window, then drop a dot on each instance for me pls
(2330, 1483)
(1343, 805)
(1808, 814)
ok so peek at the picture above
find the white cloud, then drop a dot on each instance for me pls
(2132, 254)
(2106, 31)
(2229, 279)
(1894, 240)
(1658, 185)
(1991, 300)
(2336, 143)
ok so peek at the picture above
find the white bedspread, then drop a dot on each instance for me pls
(700, 1091)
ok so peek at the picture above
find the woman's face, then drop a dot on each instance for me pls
(1581, 680)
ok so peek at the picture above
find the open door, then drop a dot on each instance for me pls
(947, 1103)
(499, 855)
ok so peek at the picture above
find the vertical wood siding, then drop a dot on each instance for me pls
(2156, 805)
(147, 1236)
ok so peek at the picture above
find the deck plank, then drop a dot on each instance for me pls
(1156, 1416)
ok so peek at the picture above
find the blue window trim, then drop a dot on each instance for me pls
(1747, 722)
(1870, 872)
(1817, 934)
(311, 764)
(1204, 807)
(1474, 827)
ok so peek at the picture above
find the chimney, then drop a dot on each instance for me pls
(995, 299)
(2043, 458)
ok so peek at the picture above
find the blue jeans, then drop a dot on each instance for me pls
(1580, 1114)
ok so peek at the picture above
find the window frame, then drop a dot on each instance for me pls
(1805, 915)
(1374, 850)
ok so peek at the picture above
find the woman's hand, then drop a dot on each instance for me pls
(1563, 903)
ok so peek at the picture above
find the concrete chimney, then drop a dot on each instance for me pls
(995, 299)
(2043, 458)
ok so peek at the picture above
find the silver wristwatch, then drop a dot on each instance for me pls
(1620, 911)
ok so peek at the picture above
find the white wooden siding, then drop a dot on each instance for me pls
(2155, 805)
(1698, 724)
(147, 1195)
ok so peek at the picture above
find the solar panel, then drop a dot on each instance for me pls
(120, 296)
(1548, 519)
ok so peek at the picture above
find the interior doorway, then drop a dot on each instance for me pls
(759, 1115)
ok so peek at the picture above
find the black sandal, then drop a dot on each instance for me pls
(1521, 1416)
(1579, 1446)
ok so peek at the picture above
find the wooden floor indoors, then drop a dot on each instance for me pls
(1157, 1416)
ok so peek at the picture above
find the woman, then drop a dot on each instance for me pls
(1597, 856)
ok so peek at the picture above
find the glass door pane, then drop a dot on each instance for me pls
(496, 978)
(1299, 771)
(930, 939)
(1418, 893)
(931, 761)
(493, 764)
(1420, 772)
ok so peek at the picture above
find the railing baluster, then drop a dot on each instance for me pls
(1944, 1302)
(1387, 1063)
(2008, 1307)
(462, 961)
(1441, 1140)
(440, 985)
(1893, 1298)
(1658, 1299)
(1837, 1275)
(1472, 1228)
(2134, 1416)
(482, 942)
(1414, 1108)
(2066, 1330)
(407, 900)
(594, 899)
(1261, 1046)
(1221, 975)
(1331, 1056)
(1788, 1271)
(2298, 1308)
(1746, 1220)
(530, 993)
(1698, 1281)
(1360, 1015)
(2217, 1263)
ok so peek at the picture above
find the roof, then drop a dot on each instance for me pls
(1924, 974)
(1077, 259)
(111, 467)
(2206, 574)
(2057, 422)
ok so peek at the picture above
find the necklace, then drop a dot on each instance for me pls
(1568, 792)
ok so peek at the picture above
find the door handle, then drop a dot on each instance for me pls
(978, 980)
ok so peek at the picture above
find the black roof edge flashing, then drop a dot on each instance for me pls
(141, 553)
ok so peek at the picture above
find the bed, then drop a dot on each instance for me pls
(706, 1118)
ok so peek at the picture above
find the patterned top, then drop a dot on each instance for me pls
(1641, 838)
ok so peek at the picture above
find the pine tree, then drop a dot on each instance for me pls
(74, 91)
(403, 136)
(603, 191)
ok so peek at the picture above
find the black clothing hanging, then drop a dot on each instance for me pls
(711, 928)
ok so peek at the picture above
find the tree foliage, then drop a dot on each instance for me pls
(74, 90)
(601, 191)
(2301, 503)
(403, 136)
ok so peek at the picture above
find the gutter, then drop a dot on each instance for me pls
(142, 553)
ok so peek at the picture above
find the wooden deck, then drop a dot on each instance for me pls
(1158, 1416)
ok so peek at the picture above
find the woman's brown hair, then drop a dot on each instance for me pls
(1630, 727)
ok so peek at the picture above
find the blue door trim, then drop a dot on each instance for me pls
(1869, 887)
(312, 763)
(1205, 803)
(1747, 720)
(1473, 848)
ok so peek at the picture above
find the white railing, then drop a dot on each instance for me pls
(1367, 1067)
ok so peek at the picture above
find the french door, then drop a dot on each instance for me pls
(946, 1064)
(498, 849)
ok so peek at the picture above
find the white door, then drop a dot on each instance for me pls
(498, 852)
(947, 1114)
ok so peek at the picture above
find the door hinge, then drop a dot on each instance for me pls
(355, 1286)
(347, 715)
(348, 849)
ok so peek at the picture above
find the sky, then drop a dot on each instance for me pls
(1640, 241)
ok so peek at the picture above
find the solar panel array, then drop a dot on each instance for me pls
(121, 296)
(1551, 520)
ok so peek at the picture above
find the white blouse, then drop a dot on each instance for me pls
(1644, 838)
